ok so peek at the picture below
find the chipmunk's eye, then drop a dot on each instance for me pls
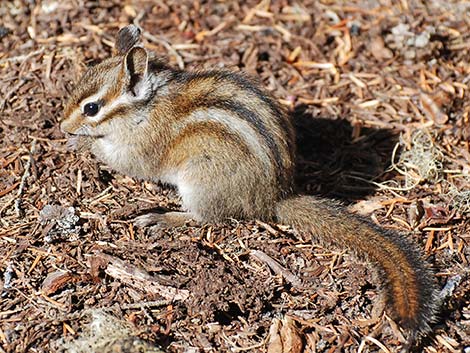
(91, 109)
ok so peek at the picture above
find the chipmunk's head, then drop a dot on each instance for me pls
(111, 92)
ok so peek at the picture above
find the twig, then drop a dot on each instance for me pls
(21, 58)
(150, 304)
(167, 46)
(139, 278)
(160, 41)
(15, 88)
(374, 341)
(8, 189)
(268, 227)
(276, 267)
(26, 174)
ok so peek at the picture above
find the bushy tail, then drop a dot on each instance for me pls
(410, 285)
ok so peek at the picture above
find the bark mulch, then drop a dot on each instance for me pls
(379, 92)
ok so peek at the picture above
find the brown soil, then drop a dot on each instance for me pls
(359, 77)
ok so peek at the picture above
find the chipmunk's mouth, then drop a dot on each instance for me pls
(71, 130)
(78, 135)
(80, 142)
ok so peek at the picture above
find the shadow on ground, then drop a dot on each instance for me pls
(333, 163)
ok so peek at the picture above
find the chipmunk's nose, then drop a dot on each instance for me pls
(63, 127)
(68, 127)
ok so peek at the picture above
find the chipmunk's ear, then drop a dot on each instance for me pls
(126, 39)
(136, 65)
(136, 62)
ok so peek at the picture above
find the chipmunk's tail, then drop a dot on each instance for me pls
(410, 287)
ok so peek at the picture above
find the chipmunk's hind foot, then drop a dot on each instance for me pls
(163, 220)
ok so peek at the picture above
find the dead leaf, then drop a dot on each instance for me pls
(284, 337)
(57, 280)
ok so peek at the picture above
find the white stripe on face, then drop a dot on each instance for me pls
(94, 99)
(124, 99)
(141, 90)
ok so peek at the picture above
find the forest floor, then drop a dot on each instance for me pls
(379, 93)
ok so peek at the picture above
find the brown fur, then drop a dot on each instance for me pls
(228, 147)
(409, 282)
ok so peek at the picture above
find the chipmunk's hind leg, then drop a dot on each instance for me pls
(221, 172)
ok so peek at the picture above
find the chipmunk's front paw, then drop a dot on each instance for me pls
(163, 220)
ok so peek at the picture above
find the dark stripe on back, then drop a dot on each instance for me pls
(215, 100)
(218, 98)
(198, 130)
(254, 120)
(250, 85)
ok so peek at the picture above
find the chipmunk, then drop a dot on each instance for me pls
(228, 147)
